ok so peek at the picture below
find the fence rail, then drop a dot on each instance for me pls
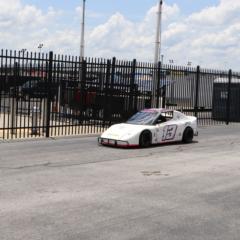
(44, 95)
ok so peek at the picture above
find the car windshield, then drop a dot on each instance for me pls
(143, 118)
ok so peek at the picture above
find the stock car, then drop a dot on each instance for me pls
(149, 127)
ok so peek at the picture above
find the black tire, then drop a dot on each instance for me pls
(188, 135)
(145, 139)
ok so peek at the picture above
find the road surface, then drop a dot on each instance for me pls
(73, 189)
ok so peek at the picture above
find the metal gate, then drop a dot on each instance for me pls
(47, 95)
(212, 96)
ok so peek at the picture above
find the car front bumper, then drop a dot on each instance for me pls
(115, 143)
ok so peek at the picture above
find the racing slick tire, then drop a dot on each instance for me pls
(188, 135)
(145, 139)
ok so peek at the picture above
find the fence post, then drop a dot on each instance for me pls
(83, 92)
(164, 96)
(163, 92)
(132, 80)
(13, 110)
(49, 83)
(111, 89)
(197, 92)
(228, 97)
(158, 84)
(13, 103)
(105, 102)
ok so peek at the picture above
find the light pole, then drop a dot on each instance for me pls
(82, 31)
(158, 33)
(157, 53)
(40, 46)
(23, 50)
(162, 56)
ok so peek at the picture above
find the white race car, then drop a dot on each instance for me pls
(151, 126)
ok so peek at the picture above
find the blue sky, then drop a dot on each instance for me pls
(125, 6)
(205, 32)
(133, 9)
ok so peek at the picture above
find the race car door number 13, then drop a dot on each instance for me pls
(169, 132)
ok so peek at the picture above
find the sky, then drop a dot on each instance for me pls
(203, 32)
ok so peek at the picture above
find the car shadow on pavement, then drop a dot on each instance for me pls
(152, 146)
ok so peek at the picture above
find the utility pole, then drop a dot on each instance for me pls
(157, 53)
(158, 33)
(82, 31)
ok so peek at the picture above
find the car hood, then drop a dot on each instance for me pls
(123, 131)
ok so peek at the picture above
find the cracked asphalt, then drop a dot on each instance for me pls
(73, 189)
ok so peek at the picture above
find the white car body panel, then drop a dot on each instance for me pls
(170, 131)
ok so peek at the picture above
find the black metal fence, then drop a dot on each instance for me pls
(50, 95)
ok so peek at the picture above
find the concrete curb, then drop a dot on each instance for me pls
(48, 139)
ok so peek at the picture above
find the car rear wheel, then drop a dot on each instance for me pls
(188, 135)
(145, 139)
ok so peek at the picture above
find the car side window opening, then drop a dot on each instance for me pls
(161, 119)
(164, 117)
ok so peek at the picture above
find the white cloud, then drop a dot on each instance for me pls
(210, 37)
(23, 16)
(224, 13)
(21, 25)
(213, 33)
(207, 37)
(125, 39)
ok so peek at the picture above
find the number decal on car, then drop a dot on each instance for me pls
(169, 132)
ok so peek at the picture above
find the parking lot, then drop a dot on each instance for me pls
(73, 189)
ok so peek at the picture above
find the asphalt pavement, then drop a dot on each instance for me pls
(73, 189)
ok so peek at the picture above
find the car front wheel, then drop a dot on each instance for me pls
(145, 139)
